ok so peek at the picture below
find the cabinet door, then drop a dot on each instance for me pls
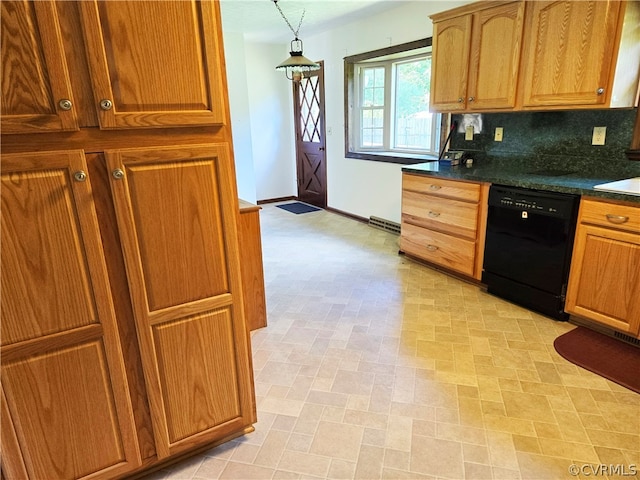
(66, 411)
(155, 64)
(450, 66)
(34, 74)
(495, 57)
(176, 210)
(604, 284)
(571, 52)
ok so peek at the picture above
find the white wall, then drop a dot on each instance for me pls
(360, 187)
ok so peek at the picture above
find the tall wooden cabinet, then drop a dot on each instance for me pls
(123, 324)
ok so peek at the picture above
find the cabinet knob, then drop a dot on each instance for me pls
(80, 176)
(117, 174)
(471, 99)
(434, 214)
(106, 104)
(460, 99)
(65, 104)
(617, 219)
(432, 248)
(600, 91)
(434, 187)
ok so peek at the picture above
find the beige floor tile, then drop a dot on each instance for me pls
(375, 366)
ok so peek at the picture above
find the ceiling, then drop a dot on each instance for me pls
(260, 21)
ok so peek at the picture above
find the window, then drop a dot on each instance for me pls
(387, 105)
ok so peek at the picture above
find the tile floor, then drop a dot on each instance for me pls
(374, 366)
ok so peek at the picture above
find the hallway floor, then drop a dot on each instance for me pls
(374, 366)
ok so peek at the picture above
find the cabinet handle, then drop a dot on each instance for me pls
(106, 104)
(434, 214)
(80, 176)
(434, 187)
(65, 104)
(618, 219)
(471, 99)
(432, 248)
(600, 91)
(460, 100)
(117, 174)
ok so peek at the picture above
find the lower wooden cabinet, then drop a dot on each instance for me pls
(604, 283)
(66, 410)
(444, 222)
(72, 405)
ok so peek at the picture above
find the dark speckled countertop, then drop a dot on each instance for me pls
(579, 180)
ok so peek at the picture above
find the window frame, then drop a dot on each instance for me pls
(351, 94)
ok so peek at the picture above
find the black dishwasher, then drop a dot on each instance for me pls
(528, 247)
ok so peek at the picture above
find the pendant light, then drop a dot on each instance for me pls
(295, 66)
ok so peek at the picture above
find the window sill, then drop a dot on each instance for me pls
(392, 157)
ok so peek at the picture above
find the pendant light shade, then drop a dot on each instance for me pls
(297, 63)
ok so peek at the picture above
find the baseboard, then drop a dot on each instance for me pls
(275, 200)
(347, 214)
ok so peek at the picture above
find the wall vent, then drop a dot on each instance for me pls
(386, 225)
(627, 338)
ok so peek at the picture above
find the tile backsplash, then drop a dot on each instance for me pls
(551, 137)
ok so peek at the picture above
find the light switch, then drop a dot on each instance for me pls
(468, 133)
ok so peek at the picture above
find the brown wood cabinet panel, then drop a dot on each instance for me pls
(495, 57)
(604, 283)
(451, 252)
(440, 187)
(570, 53)
(443, 214)
(34, 73)
(251, 265)
(158, 63)
(62, 371)
(450, 68)
(188, 294)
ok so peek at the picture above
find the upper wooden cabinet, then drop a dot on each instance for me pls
(66, 410)
(36, 91)
(476, 57)
(154, 63)
(535, 55)
(570, 52)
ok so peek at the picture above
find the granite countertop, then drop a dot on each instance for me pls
(567, 179)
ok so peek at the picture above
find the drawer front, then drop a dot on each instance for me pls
(450, 252)
(622, 217)
(468, 192)
(443, 214)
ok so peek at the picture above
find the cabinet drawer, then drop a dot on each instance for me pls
(443, 214)
(468, 192)
(622, 217)
(450, 252)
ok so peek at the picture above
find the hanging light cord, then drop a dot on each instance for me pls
(295, 32)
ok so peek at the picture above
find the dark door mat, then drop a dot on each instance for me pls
(601, 354)
(298, 207)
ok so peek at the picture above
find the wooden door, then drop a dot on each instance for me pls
(570, 52)
(176, 209)
(311, 159)
(450, 64)
(155, 63)
(495, 57)
(66, 411)
(35, 81)
(600, 291)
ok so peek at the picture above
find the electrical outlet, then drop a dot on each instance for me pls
(468, 133)
(498, 135)
(599, 134)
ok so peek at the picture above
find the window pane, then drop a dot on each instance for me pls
(412, 120)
